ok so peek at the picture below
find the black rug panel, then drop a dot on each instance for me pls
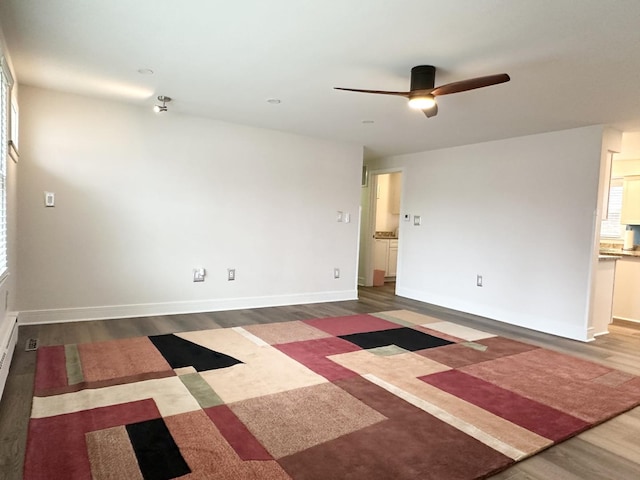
(179, 353)
(158, 455)
(404, 337)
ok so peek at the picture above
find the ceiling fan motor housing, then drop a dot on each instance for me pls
(423, 77)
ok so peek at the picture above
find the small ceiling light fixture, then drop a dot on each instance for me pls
(145, 71)
(162, 108)
(368, 122)
(274, 101)
(422, 102)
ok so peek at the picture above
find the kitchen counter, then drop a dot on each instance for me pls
(385, 235)
(619, 252)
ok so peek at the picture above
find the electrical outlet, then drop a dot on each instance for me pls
(479, 280)
(231, 274)
(199, 274)
(336, 273)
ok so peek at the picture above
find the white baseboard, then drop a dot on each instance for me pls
(8, 339)
(634, 320)
(34, 317)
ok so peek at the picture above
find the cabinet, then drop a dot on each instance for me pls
(385, 256)
(392, 262)
(626, 301)
(380, 254)
(630, 214)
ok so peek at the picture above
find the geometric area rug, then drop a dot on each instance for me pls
(390, 395)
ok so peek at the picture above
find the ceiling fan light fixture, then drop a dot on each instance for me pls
(422, 93)
(422, 102)
(162, 108)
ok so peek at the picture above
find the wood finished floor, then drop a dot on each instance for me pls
(608, 451)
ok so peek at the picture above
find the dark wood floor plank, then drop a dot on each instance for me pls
(15, 411)
(607, 451)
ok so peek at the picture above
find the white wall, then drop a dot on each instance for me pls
(622, 168)
(630, 146)
(142, 199)
(520, 212)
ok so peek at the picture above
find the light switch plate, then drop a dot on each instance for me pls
(417, 220)
(49, 199)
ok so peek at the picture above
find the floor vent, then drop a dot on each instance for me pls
(32, 344)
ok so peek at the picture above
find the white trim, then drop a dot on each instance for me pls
(3, 276)
(8, 340)
(590, 335)
(35, 317)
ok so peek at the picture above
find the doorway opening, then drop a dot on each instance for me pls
(381, 229)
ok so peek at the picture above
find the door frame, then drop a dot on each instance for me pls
(369, 229)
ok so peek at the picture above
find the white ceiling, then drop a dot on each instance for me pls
(572, 62)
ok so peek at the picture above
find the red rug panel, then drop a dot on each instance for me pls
(536, 417)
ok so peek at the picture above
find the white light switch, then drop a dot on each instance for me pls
(49, 199)
(347, 218)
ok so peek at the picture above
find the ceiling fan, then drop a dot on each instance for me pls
(422, 95)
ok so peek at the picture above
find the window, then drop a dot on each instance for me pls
(5, 102)
(611, 227)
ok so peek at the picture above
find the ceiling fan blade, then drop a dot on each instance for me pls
(470, 84)
(431, 112)
(381, 92)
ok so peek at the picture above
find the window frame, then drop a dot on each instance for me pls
(6, 87)
(614, 212)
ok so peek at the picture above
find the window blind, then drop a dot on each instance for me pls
(611, 227)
